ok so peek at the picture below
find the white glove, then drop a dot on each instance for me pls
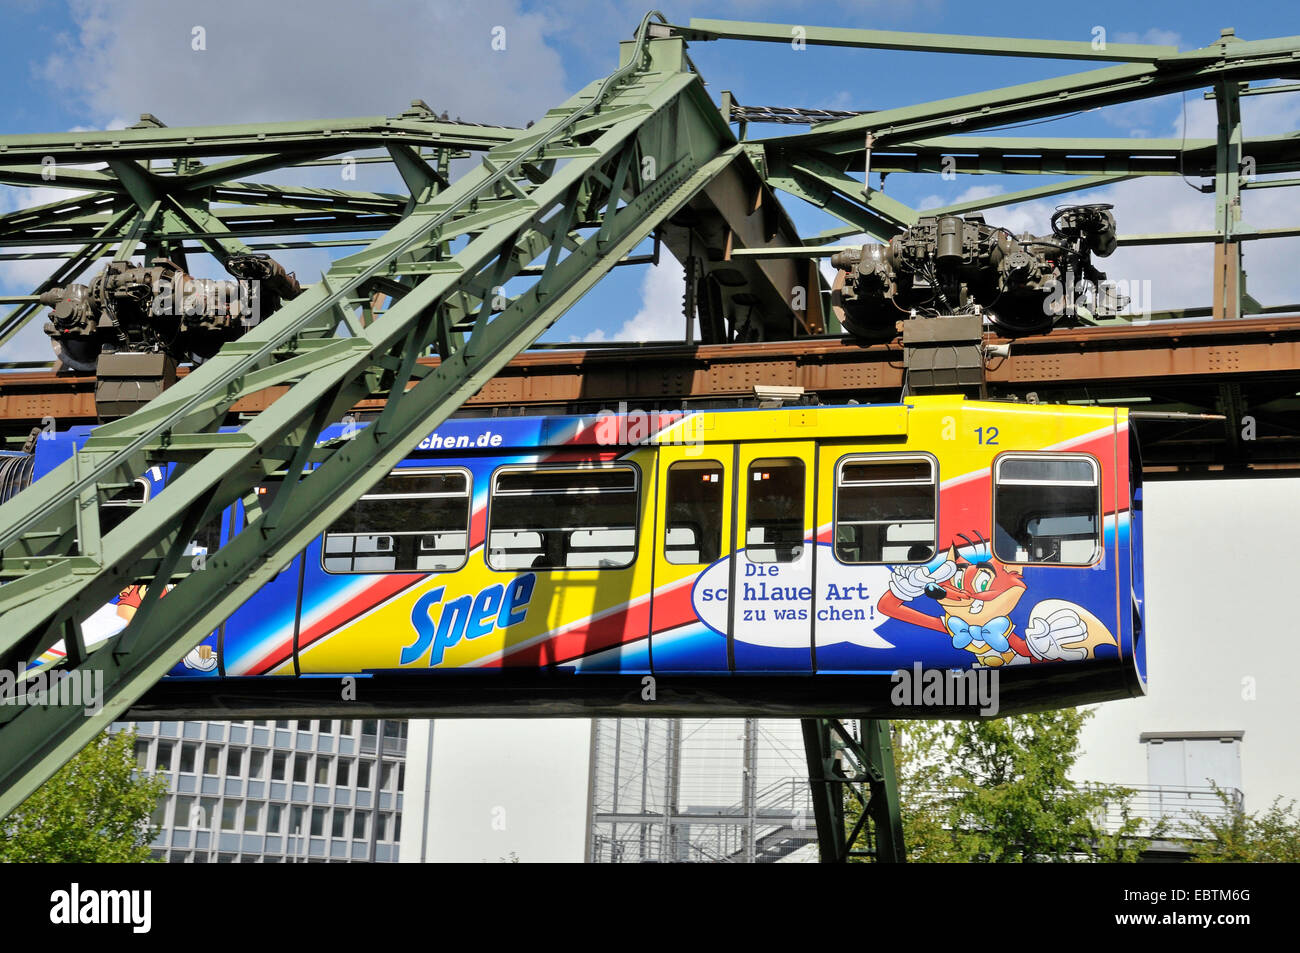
(201, 658)
(1050, 639)
(910, 581)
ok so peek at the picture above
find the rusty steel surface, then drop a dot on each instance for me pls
(1230, 368)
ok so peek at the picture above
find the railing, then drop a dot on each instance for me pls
(1161, 811)
(1173, 811)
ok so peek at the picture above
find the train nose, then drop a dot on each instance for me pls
(934, 590)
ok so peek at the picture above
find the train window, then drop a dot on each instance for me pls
(885, 510)
(1047, 509)
(563, 518)
(693, 513)
(774, 511)
(411, 521)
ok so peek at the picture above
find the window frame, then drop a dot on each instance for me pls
(412, 471)
(1099, 549)
(722, 540)
(885, 457)
(587, 466)
(808, 470)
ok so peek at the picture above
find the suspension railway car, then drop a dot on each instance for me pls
(791, 561)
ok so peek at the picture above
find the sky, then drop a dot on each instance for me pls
(79, 64)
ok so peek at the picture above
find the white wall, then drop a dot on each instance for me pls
(1223, 617)
(497, 787)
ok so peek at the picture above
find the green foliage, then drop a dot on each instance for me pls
(91, 811)
(999, 791)
(1271, 837)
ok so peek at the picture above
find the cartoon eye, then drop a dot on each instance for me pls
(956, 580)
(983, 581)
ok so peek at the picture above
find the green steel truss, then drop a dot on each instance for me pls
(853, 778)
(546, 213)
(829, 165)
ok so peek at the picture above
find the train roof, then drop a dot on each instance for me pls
(627, 426)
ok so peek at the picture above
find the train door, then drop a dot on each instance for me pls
(772, 571)
(692, 580)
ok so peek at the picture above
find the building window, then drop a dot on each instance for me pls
(363, 774)
(570, 518)
(359, 825)
(142, 755)
(342, 773)
(252, 817)
(885, 510)
(229, 812)
(163, 758)
(322, 770)
(774, 511)
(318, 822)
(256, 765)
(1047, 509)
(339, 823)
(274, 818)
(185, 813)
(279, 766)
(413, 520)
(693, 513)
(300, 767)
(345, 728)
(234, 762)
(211, 759)
(189, 756)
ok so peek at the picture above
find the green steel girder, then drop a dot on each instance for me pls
(1236, 61)
(993, 155)
(704, 29)
(841, 766)
(187, 188)
(303, 141)
(877, 214)
(819, 165)
(654, 98)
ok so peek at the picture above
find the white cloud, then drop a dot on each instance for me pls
(660, 316)
(268, 61)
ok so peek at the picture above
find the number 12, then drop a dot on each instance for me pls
(988, 436)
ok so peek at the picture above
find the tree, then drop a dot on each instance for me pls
(95, 809)
(1234, 836)
(998, 790)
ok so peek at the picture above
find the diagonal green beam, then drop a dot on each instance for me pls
(57, 213)
(233, 169)
(58, 177)
(705, 29)
(1003, 199)
(876, 214)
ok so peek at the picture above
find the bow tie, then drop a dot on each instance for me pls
(993, 633)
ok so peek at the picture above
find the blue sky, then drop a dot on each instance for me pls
(94, 65)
